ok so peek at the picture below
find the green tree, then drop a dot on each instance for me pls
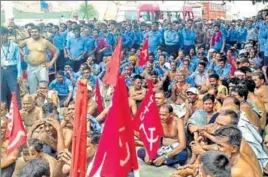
(89, 10)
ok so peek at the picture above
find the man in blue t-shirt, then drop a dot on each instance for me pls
(64, 87)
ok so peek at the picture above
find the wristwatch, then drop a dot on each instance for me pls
(166, 156)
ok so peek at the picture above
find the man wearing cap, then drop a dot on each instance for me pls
(193, 102)
(10, 66)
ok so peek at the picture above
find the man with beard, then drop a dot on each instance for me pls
(30, 113)
(7, 161)
(37, 67)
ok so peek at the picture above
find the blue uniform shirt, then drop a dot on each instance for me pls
(76, 46)
(189, 37)
(63, 88)
(59, 40)
(171, 37)
(155, 39)
(90, 43)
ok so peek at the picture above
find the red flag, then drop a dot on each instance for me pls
(144, 56)
(15, 131)
(147, 122)
(113, 66)
(79, 160)
(116, 154)
(98, 97)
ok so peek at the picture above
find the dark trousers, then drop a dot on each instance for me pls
(177, 159)
(60, 61)
(76, 64)
(8, 171)
(9, 84)
(186, 49)
(172, 49)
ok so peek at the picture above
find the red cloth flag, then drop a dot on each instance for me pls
(98, 97)
(116, 154)
(113, 66)
(147, 122)
(15, 131)
(144, 56)
(79, 159)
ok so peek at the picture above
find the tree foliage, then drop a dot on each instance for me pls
(90, 10)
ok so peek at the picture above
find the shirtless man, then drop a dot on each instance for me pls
(34, 151)
(229, 140)
(137, 92)
(173, 149)
(43, 95)
(201, 38)
(7, 162)
(37, 67)
(178, 94)
(241, 93)
(30, 112)
(50, 131)
(160, 98)
(256, 103)
(148, 69)
(261, 89)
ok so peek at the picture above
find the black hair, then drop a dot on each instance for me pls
(249, 83)
(242, 91)
(49, 108)
(95, 137)
(216, 164)
(37, 144)
(260, 75)
(56, 26)
(35, 168)
(203, 64)
(153, 73)
(231, 132)
(36, 28)
(234, 116)
(137, 77)
(86, 67)
(245, 69)
(208, 97)
(60, 72)
(215, 76)
(234, 99)
(167, 107)
(76, 28)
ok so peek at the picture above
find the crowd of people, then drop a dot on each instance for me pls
(209, 83)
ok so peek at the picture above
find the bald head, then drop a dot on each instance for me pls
(231, 103)
(28, 98)
(28, 103)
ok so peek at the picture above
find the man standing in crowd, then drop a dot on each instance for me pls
(11, 74)
(37, 66)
